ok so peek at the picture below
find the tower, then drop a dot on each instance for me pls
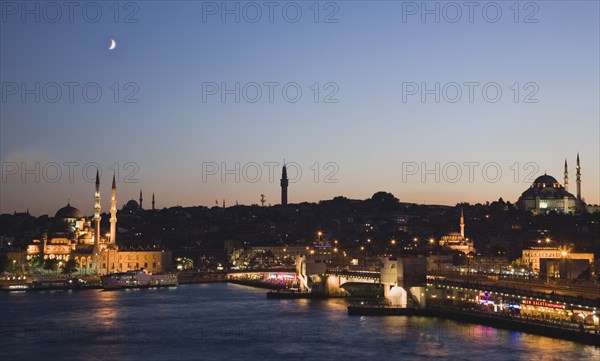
(462, 223)
(113, 212)
(566, 183)
(141, 200)
(152, 201)
(578, 179)
(284, 186)
(97, 217)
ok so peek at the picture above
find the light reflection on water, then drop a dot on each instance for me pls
(220, 321)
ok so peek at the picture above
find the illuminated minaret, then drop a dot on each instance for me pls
(284, 186)
(97, 217)
(578, 179)
(566, 183)
(462, 223)
(113, 212)
(141, 200)
(152, 201)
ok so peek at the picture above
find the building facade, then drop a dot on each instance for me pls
(533, 255)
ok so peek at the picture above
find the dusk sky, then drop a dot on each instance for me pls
(372, 127)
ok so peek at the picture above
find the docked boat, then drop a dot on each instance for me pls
(137, 279)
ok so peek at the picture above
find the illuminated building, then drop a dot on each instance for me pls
(265, 256)
(73, 237)
(547, 194)
(533, 255)
(458, 241)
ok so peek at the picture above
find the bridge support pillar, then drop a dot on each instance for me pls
(418, 296)
(396, 295)
(311, 272)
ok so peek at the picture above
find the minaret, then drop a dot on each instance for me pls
(578, 179)
(284, 186)
(141, 200)
(566, 183)
(152, 201)
(97, 217)
(113, 212)
(462, 223)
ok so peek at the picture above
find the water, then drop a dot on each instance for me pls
(231, 322)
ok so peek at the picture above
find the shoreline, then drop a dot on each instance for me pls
(481, 319)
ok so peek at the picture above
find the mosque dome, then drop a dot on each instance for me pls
(131, 205)
(68, 212)
(61, 227)
(545, 187)
(545, 181)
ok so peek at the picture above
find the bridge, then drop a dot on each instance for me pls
(404, 282)
(401, 281)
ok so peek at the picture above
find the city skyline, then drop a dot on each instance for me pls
(387, 89)
(240, 179)
(282, 188)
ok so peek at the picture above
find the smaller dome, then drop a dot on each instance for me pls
(61, 227)
(68, 212)
(132, 205)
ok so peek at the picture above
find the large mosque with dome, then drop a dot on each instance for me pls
(546, 194)
(72, 236)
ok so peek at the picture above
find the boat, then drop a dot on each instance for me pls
(137, 279)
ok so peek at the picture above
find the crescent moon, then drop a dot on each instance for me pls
(113, 44)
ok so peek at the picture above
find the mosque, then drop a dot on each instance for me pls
(457, 241)
(547, 194)
(72, 236)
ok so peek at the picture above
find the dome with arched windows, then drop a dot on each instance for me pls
(545, 181)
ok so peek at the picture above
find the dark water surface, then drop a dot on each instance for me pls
(231, 322)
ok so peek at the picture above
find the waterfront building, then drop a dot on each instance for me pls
(71, 236)
(265, 256)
